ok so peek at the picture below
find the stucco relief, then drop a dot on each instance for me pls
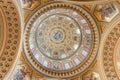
(106, 55)
(12, 36)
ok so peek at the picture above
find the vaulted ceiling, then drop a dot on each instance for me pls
(59, 40)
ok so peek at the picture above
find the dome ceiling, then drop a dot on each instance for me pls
(61, 40)
(109, 52)
(10, 35)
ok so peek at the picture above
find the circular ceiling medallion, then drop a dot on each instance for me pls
(61, 40)
(58, 36)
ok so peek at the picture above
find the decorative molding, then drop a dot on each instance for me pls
(106, 51)
(87, 2)
(116, 57)
(12, 35)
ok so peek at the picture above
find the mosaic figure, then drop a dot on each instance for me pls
(106, 12)
(28, 3)
(21, 74)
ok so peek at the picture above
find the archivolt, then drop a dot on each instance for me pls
(12, 34)
(106, 51)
